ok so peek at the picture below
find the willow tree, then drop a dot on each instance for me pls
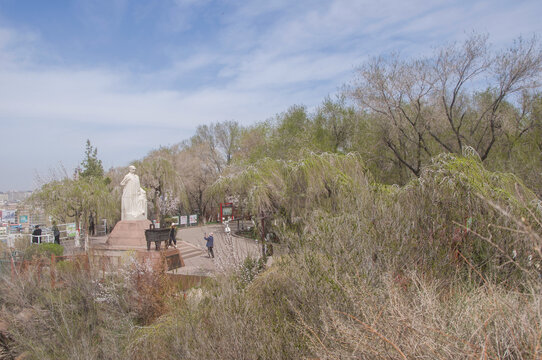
(88, 193)
(334, 124)
(291, 190)
(159, 178)
(198, 171)
(452, 99)
(227, 135)
(76, 199)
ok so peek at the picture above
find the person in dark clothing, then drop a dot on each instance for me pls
(91, 225)
(36, 235)
(210, 244)
(56, 233)
(173, 236)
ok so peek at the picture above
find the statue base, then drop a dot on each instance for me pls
(127, 240)
(129, 233)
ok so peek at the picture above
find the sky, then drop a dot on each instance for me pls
(134, 75)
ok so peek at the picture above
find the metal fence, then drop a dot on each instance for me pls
(46, 236)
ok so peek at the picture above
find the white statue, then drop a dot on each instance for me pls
(142, 202)
(134, 199)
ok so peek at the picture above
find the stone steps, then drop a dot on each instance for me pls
(189, 251)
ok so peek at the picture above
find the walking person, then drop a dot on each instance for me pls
(173, 236)
(56, 233)
(210, 244)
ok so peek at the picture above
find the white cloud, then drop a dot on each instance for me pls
(266, 56)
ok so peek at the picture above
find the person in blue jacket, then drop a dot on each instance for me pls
(210, 244)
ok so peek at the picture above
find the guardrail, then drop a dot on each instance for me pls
(9, 239)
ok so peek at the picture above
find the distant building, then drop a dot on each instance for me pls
(3, 197)
(16, 196)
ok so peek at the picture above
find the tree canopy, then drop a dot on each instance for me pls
(91, 165)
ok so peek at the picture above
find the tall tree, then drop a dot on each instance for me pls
(159, 178)
(91, 165)
(455, 98)
(290, 133)
(198, 171)
(227, 135)
(254, 142)
(77, 199)
(205, 137)
(334, 124)
(69, 199)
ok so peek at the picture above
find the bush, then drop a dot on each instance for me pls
(166, 223)
(43, 250)
(21, 243)
(423, 271)
(4, 249)
(71, 320)
(249, 269)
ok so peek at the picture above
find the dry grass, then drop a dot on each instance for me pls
(445, 268)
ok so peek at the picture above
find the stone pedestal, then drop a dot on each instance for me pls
(172, 258)
(128, 239)
(129, 233)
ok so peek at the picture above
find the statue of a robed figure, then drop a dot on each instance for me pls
(134, 233)
(134, 198)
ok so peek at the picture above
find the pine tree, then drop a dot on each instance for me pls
(91, 165)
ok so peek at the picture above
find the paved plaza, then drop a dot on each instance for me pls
(230, 251)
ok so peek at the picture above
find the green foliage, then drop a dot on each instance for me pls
(81, 316)
(43, 250)
(465, 94)
(445, 266)
(334, 125)
(373, 271)
(65, 266)
(290, 134)
(75, 199)
(467, 175)
(92, 166)
(159, 178)
(254, 143)
(458, 211)
(166, 222)
(248, 271)
(291, 189)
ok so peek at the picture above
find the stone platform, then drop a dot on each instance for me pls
(129, 233)
(127, 240)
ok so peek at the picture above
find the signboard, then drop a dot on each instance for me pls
(3, 230)
(71, 231)
(184, 220)
(23, 219)
(226, 212)
(15, 228)
(193, 219)
(175, 220)
(8, 216)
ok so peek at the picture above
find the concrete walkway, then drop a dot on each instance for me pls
(230, 251)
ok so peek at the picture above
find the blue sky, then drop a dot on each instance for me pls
(134, 75)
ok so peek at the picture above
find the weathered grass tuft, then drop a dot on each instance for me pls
(447, 267)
